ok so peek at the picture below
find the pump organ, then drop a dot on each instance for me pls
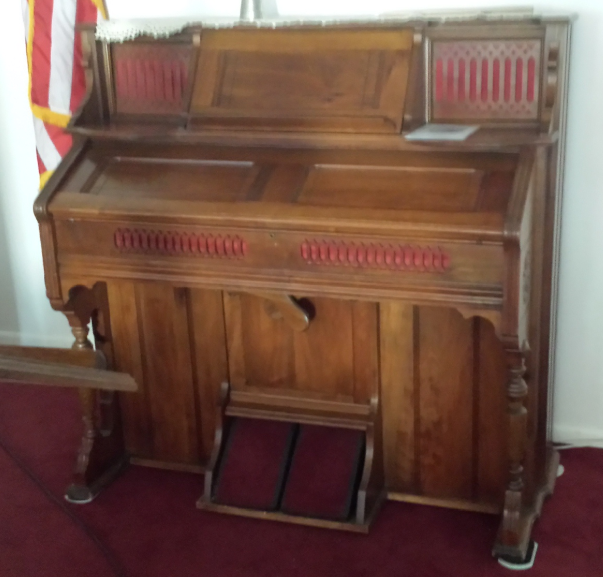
(253, 237)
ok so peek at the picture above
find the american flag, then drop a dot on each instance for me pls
(56, 76)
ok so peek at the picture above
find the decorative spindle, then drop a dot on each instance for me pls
(517, 391)
(81, 338)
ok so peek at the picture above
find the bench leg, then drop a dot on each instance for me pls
(101, 457)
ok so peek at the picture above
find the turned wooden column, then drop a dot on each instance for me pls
(514, 533)
(79, 329)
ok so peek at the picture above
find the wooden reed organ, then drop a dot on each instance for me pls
(258, 244)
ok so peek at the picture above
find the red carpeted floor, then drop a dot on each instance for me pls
(146, 523)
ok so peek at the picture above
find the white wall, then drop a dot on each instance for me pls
(579, 368)
(25, 315)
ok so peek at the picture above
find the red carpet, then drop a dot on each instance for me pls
(148, 524)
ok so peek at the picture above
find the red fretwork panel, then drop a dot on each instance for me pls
(149, 78)
(482, 79)
(375, 255)
(180, 243)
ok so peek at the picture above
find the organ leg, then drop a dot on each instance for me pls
(513, 540)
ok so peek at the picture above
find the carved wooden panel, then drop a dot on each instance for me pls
(442, 379)
(336, 80)
(172, 341)
(173, 179)
(443, 397)
(165, 348)
(486, 79)
(150, 78)
(331, 360)
(196, 250)
(126, 344)
(394, 187)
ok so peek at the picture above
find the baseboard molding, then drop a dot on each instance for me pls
(35, 340)
(567, 435)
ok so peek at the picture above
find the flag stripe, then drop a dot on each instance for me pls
(40, 58)
(46, 148)
(56, 75)
(86, 12)
(41, 166)
(78, 81)
(62, 140)
(61, 56)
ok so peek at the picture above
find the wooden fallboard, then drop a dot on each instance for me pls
(400, 188)
(378, 185)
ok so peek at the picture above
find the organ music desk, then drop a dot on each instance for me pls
(255, 240)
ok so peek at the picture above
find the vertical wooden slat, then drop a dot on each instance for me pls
(234, 339)
(496, 80)
(450, 80)
(168, 81)
(462, 80)
(149, 79)
(472, 80)
(398, 395)
(366, 351)
(158, 80)
(263, 343)
(446, 403)
(168, 372)
(141, 92)
(210, 360)
(265, 352)
(492, 418)
(128, 359)
(121, 79)
(508, 79)
(531, 90)
(267, 344)
(519, 80)
(324, 353)
(485, 91)
(439, 83)
(131, 79)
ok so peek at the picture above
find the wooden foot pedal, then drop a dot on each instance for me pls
(325, 473)
(254, 464)
(278, 465)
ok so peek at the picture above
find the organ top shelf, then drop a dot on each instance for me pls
(364, 83)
